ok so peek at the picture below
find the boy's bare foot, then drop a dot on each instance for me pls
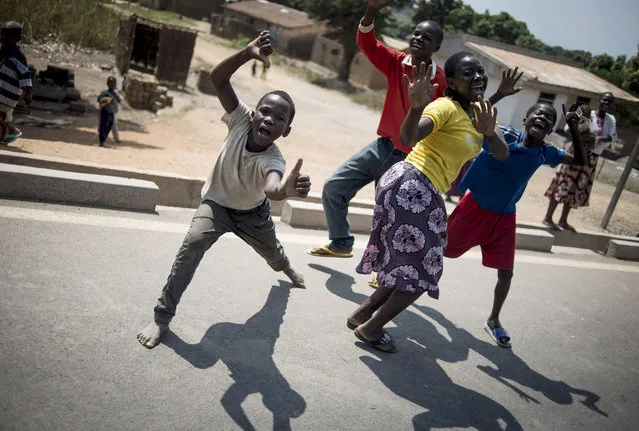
(296, 278)
(150, 336)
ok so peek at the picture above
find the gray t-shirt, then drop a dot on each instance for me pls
(239, 176)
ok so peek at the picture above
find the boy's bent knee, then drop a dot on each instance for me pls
(504, 274)
(196, 242)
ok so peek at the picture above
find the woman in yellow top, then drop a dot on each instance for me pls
(409, 231)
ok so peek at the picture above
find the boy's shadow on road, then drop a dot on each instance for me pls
(415, 375)
(247, 350)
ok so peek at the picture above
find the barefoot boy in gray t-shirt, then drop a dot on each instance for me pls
(235, 197)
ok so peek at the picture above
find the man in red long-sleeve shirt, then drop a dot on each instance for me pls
(370, 163)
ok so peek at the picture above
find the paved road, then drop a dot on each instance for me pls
(247, 351)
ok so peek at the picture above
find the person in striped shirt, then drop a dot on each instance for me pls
(15, 79)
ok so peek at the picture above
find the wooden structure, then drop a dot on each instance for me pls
(153, 47)
(293, 30)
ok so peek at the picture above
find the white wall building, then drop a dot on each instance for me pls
(545, 78)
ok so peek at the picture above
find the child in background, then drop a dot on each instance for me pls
(15, 78)
(109, 101)
(409, 232)
(235, 197)
(10, 35)
(486, 216)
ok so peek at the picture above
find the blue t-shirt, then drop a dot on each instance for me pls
(114, 106)
(498, 185)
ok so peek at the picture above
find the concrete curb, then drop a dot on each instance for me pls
(597, 241)
(25, 182)
(174, 190)
(182, 191)
(623, 249)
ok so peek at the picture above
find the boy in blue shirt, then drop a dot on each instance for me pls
(486, 215)
(109, 101)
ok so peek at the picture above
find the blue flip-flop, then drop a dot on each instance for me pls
(500, 336)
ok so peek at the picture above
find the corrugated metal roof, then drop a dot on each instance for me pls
(273, 13)
(550, 72)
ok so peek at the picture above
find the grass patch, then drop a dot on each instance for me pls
(240, 42)
(83, 22)
(157, 15)
(374, 99)
(320, 81)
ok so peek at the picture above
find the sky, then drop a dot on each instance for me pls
(610, 26)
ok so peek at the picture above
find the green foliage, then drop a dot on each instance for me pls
(630, 73)
(344, 15)
(435, 10)
(240, 42)
(154, 14)
(460, 18)
(374, 99)
(84, 22)
(318, 80)
(530, 42)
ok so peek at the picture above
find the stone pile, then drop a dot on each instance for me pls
(143, 91)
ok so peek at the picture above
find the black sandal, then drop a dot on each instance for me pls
(384, 343)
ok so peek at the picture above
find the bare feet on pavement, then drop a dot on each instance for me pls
(150, 336)
(296, 278)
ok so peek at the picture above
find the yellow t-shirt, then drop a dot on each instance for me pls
(453, 141)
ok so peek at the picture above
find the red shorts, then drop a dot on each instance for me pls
(470, 225)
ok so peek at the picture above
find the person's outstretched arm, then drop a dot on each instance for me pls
(258, 49)
(485, 121)
(420, 93)
(509, 79)
(377, 53)
(296, 184)
(572, 121)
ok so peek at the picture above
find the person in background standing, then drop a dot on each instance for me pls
(572, 184)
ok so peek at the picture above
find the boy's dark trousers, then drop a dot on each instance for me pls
(106, 122)
(209, 223)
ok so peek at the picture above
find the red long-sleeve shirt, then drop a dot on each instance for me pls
(394, 64)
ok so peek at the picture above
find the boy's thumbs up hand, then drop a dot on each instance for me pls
(297, 184)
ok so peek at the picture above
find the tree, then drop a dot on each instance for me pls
(530, 42)
(619, 63)
(483, 26)
(435, 10)
(603, 66)
(630, 73)
(583, 57)
(460, 20)
(603, 62)
(344, 15)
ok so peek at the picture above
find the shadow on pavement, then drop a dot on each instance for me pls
(415, 375)
(512, 367)
(247, 350)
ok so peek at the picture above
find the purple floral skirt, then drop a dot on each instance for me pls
(409, 232)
